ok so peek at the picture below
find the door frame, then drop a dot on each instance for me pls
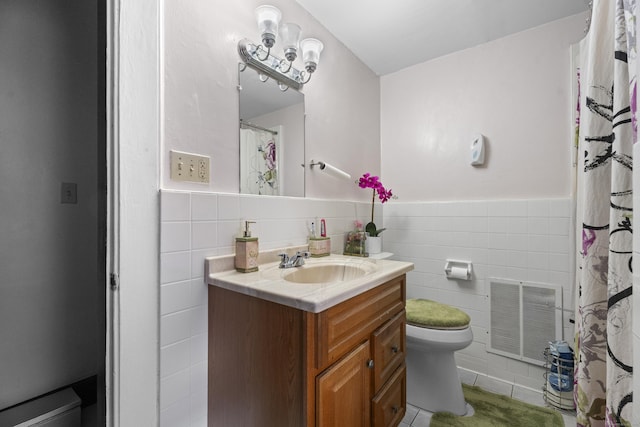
(133, 113)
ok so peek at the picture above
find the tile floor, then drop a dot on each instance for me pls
(416, 417)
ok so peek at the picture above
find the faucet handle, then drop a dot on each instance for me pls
(284, 259)
(298, 258)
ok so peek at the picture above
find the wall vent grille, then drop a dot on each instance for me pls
(524, 317)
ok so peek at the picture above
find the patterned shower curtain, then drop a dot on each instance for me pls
(259, 157)
(603, 377)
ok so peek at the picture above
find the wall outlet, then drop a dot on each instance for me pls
(189, 167)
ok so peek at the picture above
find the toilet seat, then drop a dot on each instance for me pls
(434, 315)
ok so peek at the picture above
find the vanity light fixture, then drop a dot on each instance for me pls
(260, 57)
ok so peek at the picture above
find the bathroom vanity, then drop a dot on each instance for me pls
(303, 348)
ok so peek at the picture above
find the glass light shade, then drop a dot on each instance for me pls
(290, 38)
(311, 49)
(268, 18)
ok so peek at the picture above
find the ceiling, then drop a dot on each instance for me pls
(389, 35)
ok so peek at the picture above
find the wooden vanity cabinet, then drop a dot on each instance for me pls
(342, 390)
(273, 365)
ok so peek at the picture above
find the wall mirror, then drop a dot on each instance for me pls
(271, 137)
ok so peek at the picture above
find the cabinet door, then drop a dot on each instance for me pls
(389, 405)
(388, 349)
(343, 391)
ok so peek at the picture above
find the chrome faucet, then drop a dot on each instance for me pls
(296, 260)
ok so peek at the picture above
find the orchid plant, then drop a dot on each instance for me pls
(373, 182)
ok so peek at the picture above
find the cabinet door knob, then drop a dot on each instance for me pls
(370, 363)
(395, 409)
(394, 349)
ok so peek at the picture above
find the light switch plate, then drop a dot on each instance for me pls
(69, 192)
(189, 167)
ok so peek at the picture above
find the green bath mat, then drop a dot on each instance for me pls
(495, 410)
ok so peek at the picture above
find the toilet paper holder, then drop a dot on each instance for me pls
(458, 270)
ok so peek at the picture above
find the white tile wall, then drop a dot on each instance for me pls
(194, 226)
(516, 239)
(528, 240)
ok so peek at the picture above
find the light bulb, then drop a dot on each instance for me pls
(268, 18)
(290, 34)
(311, 49)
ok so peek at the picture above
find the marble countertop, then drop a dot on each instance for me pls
(269, 284)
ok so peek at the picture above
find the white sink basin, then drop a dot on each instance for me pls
(324, 273)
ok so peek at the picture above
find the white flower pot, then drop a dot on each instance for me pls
(373, 245)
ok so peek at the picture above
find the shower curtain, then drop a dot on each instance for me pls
(259, 157)
(603, 373)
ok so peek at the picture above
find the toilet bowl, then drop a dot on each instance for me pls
(434, 332)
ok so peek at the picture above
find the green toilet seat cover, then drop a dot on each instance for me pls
(434, 315)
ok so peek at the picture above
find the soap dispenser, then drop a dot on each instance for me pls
(247, 251)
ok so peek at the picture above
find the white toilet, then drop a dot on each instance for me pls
(434, 332)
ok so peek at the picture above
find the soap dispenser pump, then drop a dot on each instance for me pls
(247, 251)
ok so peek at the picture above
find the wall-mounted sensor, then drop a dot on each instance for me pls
(477, 151)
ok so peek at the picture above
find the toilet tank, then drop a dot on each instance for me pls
(59, 409)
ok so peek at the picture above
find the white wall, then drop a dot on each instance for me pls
(342, 107)
(212, 79)
(135, 180)
(510, 218)
(196, 225)
(521, 240)
(48, 251)
(342, 100)
(201, 115)
(515, 91)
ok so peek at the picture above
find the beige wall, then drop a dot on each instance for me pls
(342, 101)
(515, 91)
